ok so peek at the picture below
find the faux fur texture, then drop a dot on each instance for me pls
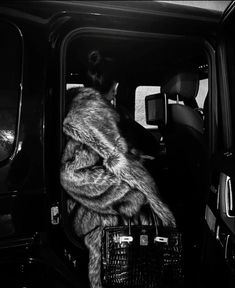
(100, 173)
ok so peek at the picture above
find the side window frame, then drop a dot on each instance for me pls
(224, 96)
(15, 142)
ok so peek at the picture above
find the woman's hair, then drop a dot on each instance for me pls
(101, 73)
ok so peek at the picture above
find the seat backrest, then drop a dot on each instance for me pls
(184, 140)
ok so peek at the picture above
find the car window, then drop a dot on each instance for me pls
(202, 92)
(10, 84)
(73, 85)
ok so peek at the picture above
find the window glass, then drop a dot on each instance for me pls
(140, 94)
(10, 78)
(202, 92)
(69, 85)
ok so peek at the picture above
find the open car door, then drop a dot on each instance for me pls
(219, 234)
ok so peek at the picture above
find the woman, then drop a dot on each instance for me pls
(98, 169)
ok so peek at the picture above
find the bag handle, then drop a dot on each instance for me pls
(155, 221)
(157, 238)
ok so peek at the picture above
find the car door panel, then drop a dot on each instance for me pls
(226, 201)
(219, 250)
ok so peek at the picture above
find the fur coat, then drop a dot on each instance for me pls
(100, 172)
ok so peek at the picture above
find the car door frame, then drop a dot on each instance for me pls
(219, 234)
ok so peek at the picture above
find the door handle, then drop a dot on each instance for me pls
(229, 209)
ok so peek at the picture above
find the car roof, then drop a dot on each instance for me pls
(168, 9)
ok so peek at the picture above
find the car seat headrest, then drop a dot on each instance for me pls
(183, 85)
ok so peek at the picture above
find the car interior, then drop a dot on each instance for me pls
(162, 92)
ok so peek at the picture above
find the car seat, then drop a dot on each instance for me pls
(184, 140)
(183, 134)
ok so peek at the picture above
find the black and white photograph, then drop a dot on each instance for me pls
(117, 134)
